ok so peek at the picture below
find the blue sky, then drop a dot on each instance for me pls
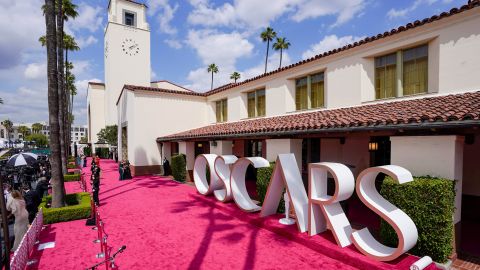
(185, 37)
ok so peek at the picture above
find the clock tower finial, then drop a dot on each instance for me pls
(127, 52)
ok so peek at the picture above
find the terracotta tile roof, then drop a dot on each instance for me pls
(97, 83)
(414, 112)
(172, 84)
(160, 90)
(470, 5)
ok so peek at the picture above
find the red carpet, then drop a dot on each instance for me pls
(166, 225)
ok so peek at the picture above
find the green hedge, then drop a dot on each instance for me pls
(263, 179)
(87, 151)
(179, 167)
(71, 166)
(102, 152)
(71, 159)
(71, 177)
(78, 208)
(430, 204)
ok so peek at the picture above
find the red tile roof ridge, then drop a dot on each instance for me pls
(173, 84)
(470, 5)
(446, 107)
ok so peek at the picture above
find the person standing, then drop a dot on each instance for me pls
(120, 170)
(17, 206)
(32, 201)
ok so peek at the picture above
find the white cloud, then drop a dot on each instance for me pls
(36, 71)
(221, 48)
(399, 13)
(173, 43)
(345, 10)
(22, 23)
(153, 75)
(329, 43)
(86, 41)
(166, 13)
(89, 18)
(258, 14)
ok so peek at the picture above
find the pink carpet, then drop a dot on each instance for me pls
(167, 225)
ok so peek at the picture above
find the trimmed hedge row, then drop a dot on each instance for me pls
(78, 208)
(179, 167)
(71, 166)
(263, 179)
(71, 177)
(429, 202)
(87, 151)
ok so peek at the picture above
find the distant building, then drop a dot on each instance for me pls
(76, 132)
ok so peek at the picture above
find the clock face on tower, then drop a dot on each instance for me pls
(130, 47)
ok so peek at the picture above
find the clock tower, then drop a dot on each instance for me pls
(127, 52)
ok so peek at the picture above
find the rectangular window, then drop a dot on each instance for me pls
(402, 73)
(386, 76)
(221, 110)
(415, 70)
(301, 94)
(317, 91)
(129, 19)
(309, 92)
(256, 103)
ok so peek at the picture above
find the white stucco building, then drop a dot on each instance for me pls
(409, 96)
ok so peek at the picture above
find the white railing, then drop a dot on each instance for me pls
(20, 257)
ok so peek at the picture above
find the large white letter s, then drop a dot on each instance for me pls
(404, 227)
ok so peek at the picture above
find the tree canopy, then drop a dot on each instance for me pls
(108, 135)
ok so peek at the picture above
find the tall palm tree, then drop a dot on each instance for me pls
(213, 69)
(268, 35)
(36, 127)
(8, 126)
(235, 76)
(281, 44)
(1, 101)
(70, 45)
(58, 190)
(68, 10)
(24, 130)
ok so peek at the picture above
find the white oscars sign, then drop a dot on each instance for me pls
(318, 211)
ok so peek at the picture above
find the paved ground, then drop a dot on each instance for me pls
(167, 225)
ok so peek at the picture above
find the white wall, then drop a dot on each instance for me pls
(168, 85)
(454, 63)
(440, 156)
(120, 68)
(159, 114)
(354, 152)
(96, 117)
(222, 148)
(284, 146)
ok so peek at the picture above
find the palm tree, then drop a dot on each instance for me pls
(281, 44)
(213, 69)
(68, 10)
(24, 131)
(8, 126)
(1, 101)
(235, 76)
(36, 127)
(268, 35)
(58, 190)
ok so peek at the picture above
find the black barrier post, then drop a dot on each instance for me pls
(6, 235)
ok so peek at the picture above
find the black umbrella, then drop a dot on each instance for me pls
(22, 159)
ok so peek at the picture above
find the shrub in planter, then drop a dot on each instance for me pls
(71, 177)
(71, 159)
(429, 202)
(71, 166)
(179, 167)
(263, 179)
(78, 207)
